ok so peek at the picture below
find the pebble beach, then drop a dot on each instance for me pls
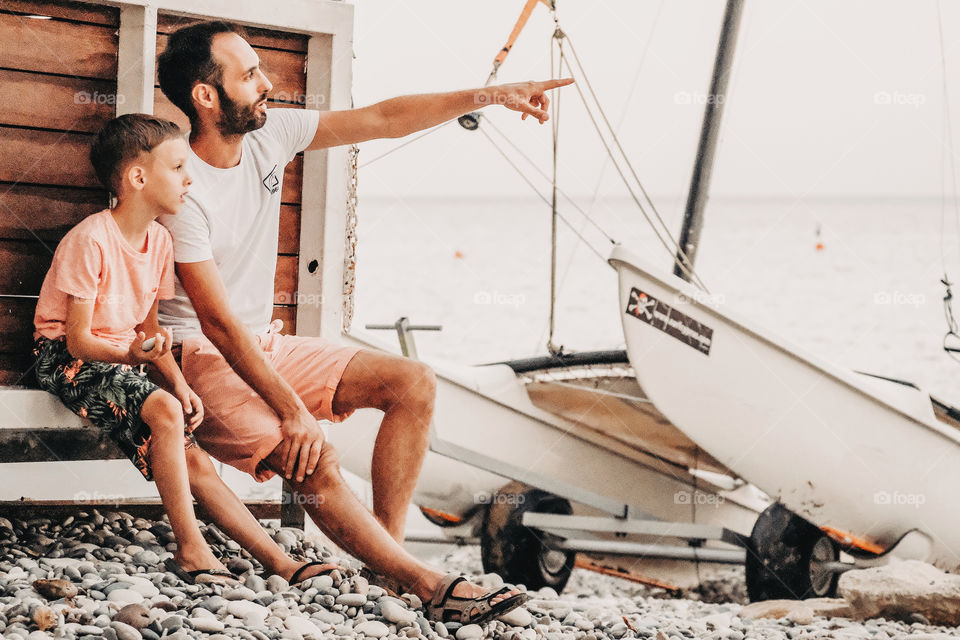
(96, 575)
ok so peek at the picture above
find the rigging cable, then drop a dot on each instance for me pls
(661, 231)
(517, 28)
(620, 122)
(539, 195)
(953, 331)
(552, 347)
(402, 145)
(563, 193)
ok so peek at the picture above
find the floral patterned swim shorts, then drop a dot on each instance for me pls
(110, 395)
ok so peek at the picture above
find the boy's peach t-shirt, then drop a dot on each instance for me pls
(95, 262)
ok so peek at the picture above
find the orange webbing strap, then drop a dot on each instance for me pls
(517, 28)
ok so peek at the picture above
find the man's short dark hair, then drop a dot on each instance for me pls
(123, 139)
(187, 60)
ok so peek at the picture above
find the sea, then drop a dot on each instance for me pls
(854, 281)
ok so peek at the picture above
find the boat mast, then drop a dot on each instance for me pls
(709, 134)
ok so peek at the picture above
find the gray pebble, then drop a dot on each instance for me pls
(240, 566)
(172, 623)
(352, 599)
(239, 593)
(276, 584)
(255, 583)
(213, 604)
(124, 631)
(145, 557)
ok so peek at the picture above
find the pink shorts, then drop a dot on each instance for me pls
(238, 427)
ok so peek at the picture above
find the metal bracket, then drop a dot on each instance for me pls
(565, 528)
(403, 328)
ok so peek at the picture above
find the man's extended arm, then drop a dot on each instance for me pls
(303, 438)
(403, 115)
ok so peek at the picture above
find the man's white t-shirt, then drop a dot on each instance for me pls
(233, 216)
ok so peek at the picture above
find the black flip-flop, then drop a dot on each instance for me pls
(219, 576)
(296, 579)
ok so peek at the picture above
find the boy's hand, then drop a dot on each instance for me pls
(192, 407)
(161, 347)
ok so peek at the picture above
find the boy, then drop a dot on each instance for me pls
(97, 307)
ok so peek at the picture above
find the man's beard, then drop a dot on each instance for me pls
(237, 119)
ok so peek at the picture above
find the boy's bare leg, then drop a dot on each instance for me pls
(164, 415)
(235, 519)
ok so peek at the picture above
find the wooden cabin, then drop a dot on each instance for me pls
(66, 67)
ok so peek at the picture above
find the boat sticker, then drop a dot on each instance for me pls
(660, 315)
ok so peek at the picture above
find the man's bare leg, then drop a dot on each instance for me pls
(404, 390)
(348, 523)
(235, 519)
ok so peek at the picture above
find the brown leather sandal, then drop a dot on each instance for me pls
(446, 607)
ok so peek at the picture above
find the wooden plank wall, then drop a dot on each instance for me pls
(58, 69)
(283, 57)
(57, 88)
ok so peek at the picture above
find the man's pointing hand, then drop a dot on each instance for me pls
(529, 98)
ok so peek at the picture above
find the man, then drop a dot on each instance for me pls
(263, 392)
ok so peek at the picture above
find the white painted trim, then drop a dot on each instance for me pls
(311, 301)
(300, 16)
(337, 187)
(136, 58)
(322, 222)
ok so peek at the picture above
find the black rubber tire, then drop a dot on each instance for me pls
(781, 562)
(517, 553)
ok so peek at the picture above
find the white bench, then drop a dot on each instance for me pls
(36, 427)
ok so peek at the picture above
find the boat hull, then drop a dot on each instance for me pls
(486, 410)
(856, 454)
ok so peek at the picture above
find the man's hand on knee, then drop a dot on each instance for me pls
(302, 443)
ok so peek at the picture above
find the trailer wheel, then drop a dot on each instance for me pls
(787, 557)
(519, 554)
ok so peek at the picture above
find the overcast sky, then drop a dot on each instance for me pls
(830, 98)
